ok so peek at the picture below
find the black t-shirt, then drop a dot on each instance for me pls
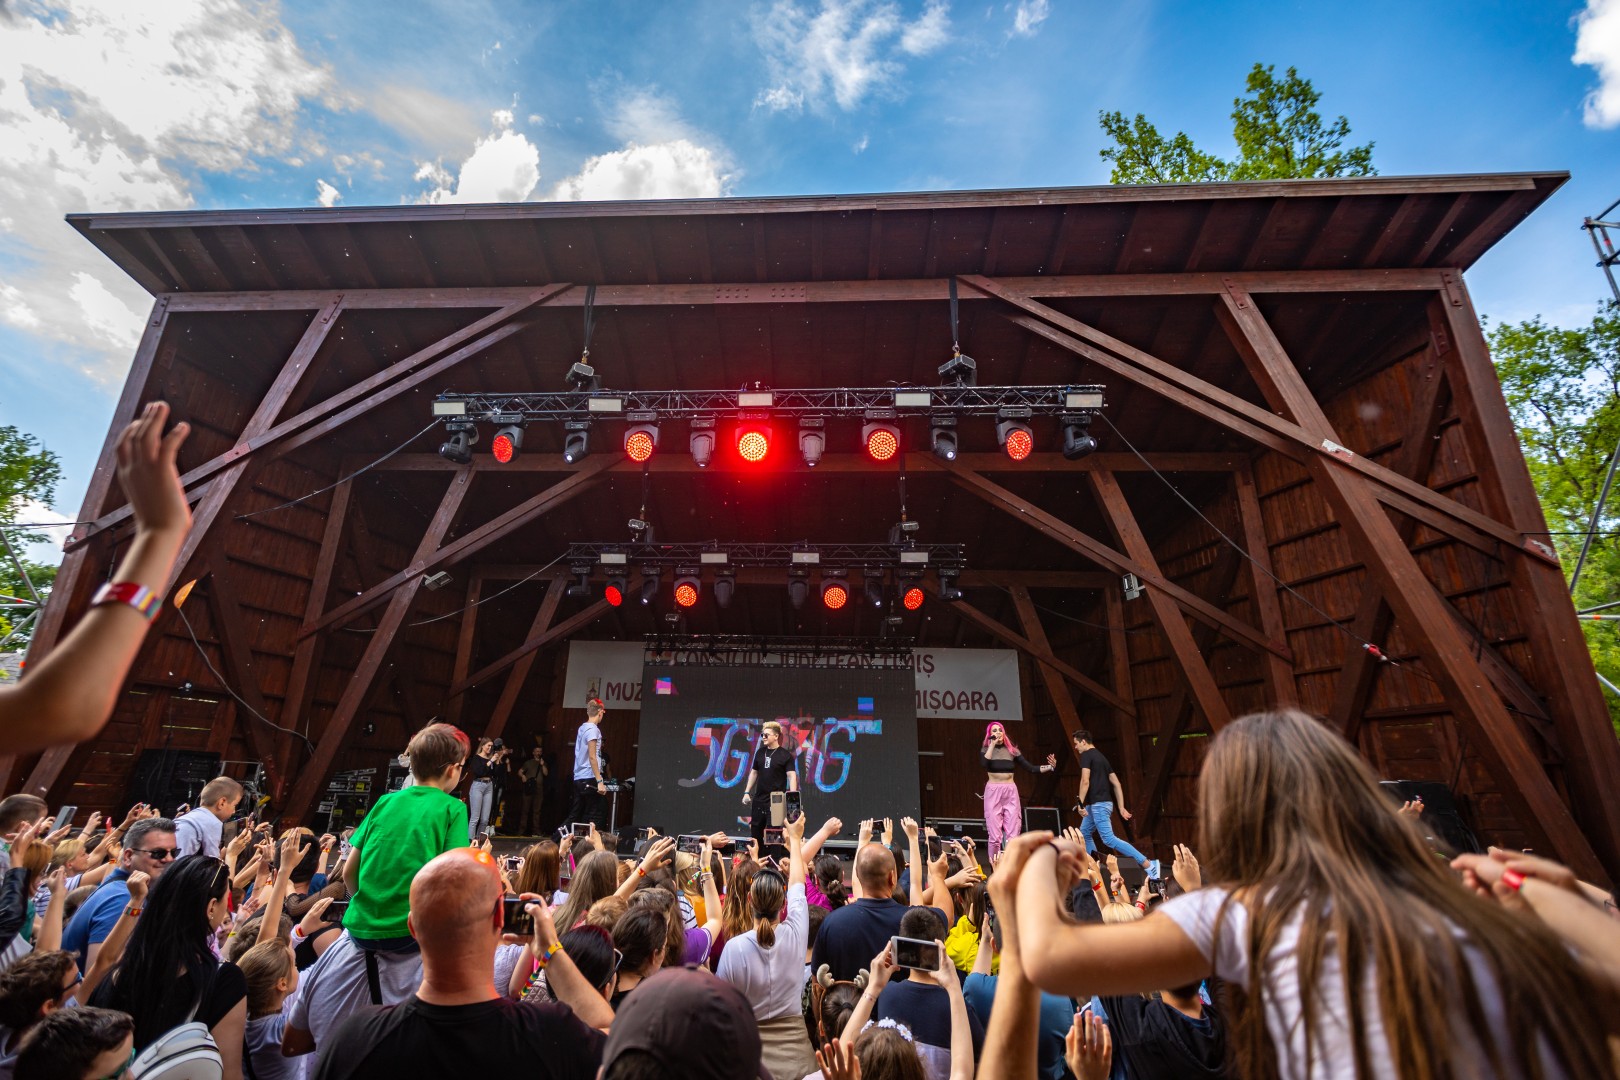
(772, 767)
(490, 1038)
(1155, 1042)
(481, 768)
(852, 935)
(1100, 790)
(225, 988)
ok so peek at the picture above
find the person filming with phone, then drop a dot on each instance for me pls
(772, 771)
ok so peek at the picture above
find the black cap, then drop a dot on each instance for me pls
(697, 1026)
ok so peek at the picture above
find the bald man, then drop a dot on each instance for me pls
(853, 934)
(457, 1024)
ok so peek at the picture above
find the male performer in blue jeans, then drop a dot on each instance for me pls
(1099, 790)
(589, 785)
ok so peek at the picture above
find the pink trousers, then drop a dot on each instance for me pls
(1002, 814)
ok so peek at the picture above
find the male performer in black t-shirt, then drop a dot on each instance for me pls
(772, 770)
(1099, 791)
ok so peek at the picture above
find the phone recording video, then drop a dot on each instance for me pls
(915, 954)
(336, 910)
(774, 837)
(582, 830)
(515, 917)
(691, 843)
(793, 808)
(936, 848)
(513, 863)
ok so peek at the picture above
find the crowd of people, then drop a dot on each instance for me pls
(1317, 932)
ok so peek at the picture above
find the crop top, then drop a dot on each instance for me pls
(1005, 764)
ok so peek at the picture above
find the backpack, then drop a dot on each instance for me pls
(184, 1052)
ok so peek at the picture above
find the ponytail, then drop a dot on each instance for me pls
(765, 897)
(765, 930)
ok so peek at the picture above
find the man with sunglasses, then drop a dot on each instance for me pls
(150, 847)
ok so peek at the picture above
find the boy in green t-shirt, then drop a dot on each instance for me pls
(404, 832)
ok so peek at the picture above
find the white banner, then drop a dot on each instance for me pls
(957, 684)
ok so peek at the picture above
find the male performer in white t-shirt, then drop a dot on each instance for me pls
(588, 782)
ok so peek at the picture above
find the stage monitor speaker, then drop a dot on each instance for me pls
(957, 828)
(1441, 815)
(1043, 819)
(167, 778)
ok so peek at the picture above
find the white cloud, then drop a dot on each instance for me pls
(1597, 43)
(504, 167)
(678, 169)
(326, 194)
(1029, 16)
(433, 123)
(860, 147)
(108, 105)
(846, 50)
(32, 512)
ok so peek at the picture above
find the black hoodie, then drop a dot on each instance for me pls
(1153, 1040)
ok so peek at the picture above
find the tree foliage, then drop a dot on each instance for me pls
(29, 474)
(1277, 130)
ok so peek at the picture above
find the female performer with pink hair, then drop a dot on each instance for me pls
(1002, 811)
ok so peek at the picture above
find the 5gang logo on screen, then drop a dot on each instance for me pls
(731, 743)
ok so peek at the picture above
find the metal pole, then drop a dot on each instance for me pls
(18, 564)
(1599, 607)
(1591, 228)
(1613, 689)
(1597, 512)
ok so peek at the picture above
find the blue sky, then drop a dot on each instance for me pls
(108, 105)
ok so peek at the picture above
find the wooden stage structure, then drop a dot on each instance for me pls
(1294, 365)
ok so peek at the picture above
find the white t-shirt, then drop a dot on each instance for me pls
(582, 750)
(199, 831)
(771, 979)
(337, 985)
(1332, 1040)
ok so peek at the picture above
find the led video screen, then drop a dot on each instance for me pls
(853, 730)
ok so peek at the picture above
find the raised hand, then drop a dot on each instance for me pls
(794, 829)
(147, 472)
(132, 817)
(138, 883)
(656, 853)
(1051, 762)
(910, 827)
(55, 880)
(838, 1063)
(882, 967)
(23, 841)
(1003, 884)
(1088, 1048)
(1185, 869)
(1541, 869)
(716, 840)
(291, 852)
(1412, 808)
(945, 976)
(315, 917)
(56, 836)
(865, 836)
(91, 825)
(832, 826)
(888, 832)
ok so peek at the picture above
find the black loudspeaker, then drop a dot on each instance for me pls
(167, 778)
(1043, 819)
(956, 828)
(1441, 815)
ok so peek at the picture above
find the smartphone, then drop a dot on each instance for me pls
(582, 830)
(691, 843)
(516, 919)
(915, 954)
(336, 910)
(936, 848)
(793, 808)
(995, 927)
(775, 838)
(513, 863)
(63, 817)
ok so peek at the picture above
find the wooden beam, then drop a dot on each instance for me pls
(398, 378)
(1261, 425)
(1263, 585)
(1104, 555)
(1039, 653)
(275, 399)
(73, 577)
(1495, 735)
(1195, 672)
(562, 631)
(237, 652)
(466, 635)
(830, 292)
(680, 463)
(519, 673)
(1161, 761)
(476, 540)
(1056, 689)
(313, 775)
(1119, 668)
(1541, 597)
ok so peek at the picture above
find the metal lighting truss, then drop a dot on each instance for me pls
(884, 401)
(916, 558)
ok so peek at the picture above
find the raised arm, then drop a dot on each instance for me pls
(793, 833)
(914, 860)
(111, 950)
(877, 977)
(567, 984)
(291, 856)
(49, 938)
(812, 845)
(712, 904)
(657, 852)
(962, 1063)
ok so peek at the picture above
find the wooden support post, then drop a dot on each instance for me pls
(465, 638)
(519, 674)
(1558, 647)
(1119, 667)
(1263, 585)
(1056, 689)
(1494, 733)
(1195, 672)
(264, 417)
(236, 648)
(562, 631)
(314, 773)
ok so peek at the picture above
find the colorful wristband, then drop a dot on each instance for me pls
(1512, 879)
(139, 597)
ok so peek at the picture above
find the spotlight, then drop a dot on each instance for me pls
(798, 587)
(582, 378)
(1077, 440)
(959, 370)
(942, 436)
(881, 439)
(649, 584)
(615, 590)
(812, 439)
(874, 589)
(725, 586)
(834, 589)
(753, 441)
(948, 591)
(507, 442)
(580, 588)
(1013, 434)
(701, 442)
(576, 440)
(687, 588)
(458, 448)
(913, 598)
(640, 440)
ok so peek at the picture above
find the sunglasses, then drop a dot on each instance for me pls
(159, 853)
(121, 1073)
(618, 959)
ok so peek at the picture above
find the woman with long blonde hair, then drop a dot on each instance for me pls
(1314, 883)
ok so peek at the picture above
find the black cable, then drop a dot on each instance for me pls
(227, 686)
(466, 607)
(956, 338)
(335, 483)
(590, 318)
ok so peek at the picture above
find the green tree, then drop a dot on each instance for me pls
(1563, 389)
(1278, 132)
(29, 474)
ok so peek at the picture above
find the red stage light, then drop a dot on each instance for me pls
(753, 443)
(882, 443)
(1020, 443)
(685, 595)
(638, 445)
(913, 598)
(502, 449)
(835, 594)
(613, 595)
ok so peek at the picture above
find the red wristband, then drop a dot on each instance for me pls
(1512, 879)
(137, 596)
(1141, 905)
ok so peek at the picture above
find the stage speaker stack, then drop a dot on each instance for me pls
(1441, 816)
(167, 778)
(956, 828)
